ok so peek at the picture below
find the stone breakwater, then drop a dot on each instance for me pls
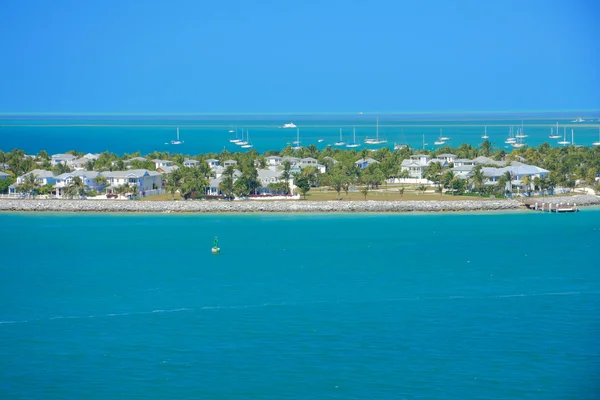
(255, 206)
(580, 200)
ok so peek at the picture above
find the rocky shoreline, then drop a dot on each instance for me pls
(274, 206)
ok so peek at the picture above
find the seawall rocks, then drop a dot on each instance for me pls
(255, 206)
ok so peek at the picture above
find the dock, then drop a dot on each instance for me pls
(552, 207)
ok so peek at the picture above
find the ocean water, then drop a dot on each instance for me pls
(211, 134)
(354, 306)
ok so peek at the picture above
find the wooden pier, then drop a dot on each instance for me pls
(552, 207)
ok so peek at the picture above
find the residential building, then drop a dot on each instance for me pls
(365, 162)
(4, 175)
(230, 163)
(88, 179)
(415, 165)
(43, 177)
(144, 179)
(212, 163)
(162, 163)
(191, 163)
(446, 157)
(273, 160)
(65, 159)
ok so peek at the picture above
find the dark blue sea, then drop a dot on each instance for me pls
(353, 306)
(120, 134)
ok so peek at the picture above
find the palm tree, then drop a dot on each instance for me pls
(76, 188)
(478, 178)
(30, 184)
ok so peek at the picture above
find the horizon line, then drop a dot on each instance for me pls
(302, 113)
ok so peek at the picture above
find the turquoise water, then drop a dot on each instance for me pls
(435, 306)
(127, 135)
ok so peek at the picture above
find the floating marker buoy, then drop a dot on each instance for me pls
(215, 249)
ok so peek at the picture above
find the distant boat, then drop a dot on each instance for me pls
(341, 141)
(511, 139)
(424, 144)
(598, 142)
(521, 134)
(248, 145)
(485, 135)
(177, 141)
(564, 142)
(290, 125)
(441, 140)
(320, 140)
(297, 141)
(231, 130)
(354, 143)
(578, 119)
(554, 135)
(236, 137)
(400, 146)
(241, 142)
(376, 140)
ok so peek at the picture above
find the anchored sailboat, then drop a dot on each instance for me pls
(485, 135)
(376, 140)
(177, 141)
(247, 145)
(296, 142)
(564, 142)
(354, 143)
(341, 141)
(598, 142)
(554, 135)
(441, 140)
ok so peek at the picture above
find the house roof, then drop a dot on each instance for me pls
(230, 162)
(211, 160)
(273, 158)
(267, 174)
(40, 173)
(366, 160)
(463, 168)
(81, 174)
(162, 161)
(415, 156)
(487, 160)
(63, 157)
(4, 174)
(138, 159)
(446, 155)
(167, 169)
(309, 159)
(133, 173)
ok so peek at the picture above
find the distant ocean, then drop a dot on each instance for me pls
(356, 306)
(211, 134)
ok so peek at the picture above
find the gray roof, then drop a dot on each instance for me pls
(168, 169)
(134, 173)
(447, 155)
(230, 162)
(138, 159)
(40, 173)
(463, 168)
(367, 160)
(515, 170)
(64, 156)
(162, 161)
(86, 174)
(267, 173)
(4, 174)
(273, 158)
(189, 161)
(487, 160)
(309, 159)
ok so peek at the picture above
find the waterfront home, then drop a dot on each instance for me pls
(415, 165)
(162, 163)
(212, 163)
(42, 177)
(189, 163)
(268, 176)
(88, 179)
(365, 162)
(273, 160)
(144, 179)
(230, 163)
(463, 171)
(481, 160)
(65, 159)
(291, 160)
(4, 175)
(213, 187)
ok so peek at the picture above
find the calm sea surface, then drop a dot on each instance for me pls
(128, 135)
(436, 306)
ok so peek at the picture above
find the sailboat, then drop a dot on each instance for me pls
(354, 143)
(248, 145)
(236, 137)
(341, 141)
(518, 144)
(510, 139)
(441, 140)
(400, 146)
(296, 142)
(564, 142)
(231, 129)
(521, 134)
(242, 142)
(177, 141)
(376, 140)
(424, 144)
(598, 142)
(573, 138)
(485, 135)
(554, 135)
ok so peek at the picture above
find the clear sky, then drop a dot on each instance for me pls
(242, 56)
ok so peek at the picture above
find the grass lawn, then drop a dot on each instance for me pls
(384, 195)
(161, 197)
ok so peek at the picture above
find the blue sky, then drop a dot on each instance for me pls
(238, 56)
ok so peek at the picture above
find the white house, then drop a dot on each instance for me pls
(415, 165)
(311, 162)
(229, 163)
(144, 179)
(447, 157)
(212, 163)
(273, 160)
(42, 177)
(462, 171)
(162, 163)
(65, 159)
(191, 163)
(88, 178)
(459, 162)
